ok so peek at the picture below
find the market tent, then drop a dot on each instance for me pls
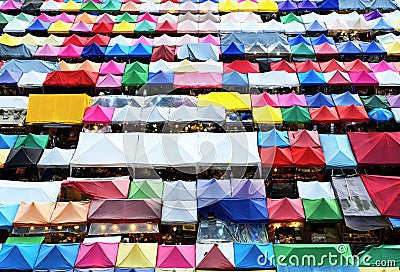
(164, 52)
(273, 79)
(394, 101)
(136, 255)
(352, 113)
(146, 189)
(332, 66)
(183, 114)
(176, 256)
(228, 100)
(337, 152)
(25, 66)
(109, 81)
(363, 78)
(98, 114)
(7, 141)
(304, 138)
(308, 157)
(292, 99)
(324, 115)
(8, 78)
(322, 210)
(311, 78)
(374, 253)
(56, 158)
(179, 212)
(100, 188)
(71, 79)
(283, 65)
(382, 66)
(264, 99)
(198, 80)
(273, 138)
(70, 213)
(267, 115)
(308, 65)
(3, 156)
(248, 254)
(179, 190)
(376, 142)
(248, 188)
(384, 191)
(199, 51)
(18, 257)
(93, 51)
(23, 157)
(27, 240)
(215, 256)
(211, 113)
(59, 257)
(7, 215)
(296, 115)
(112, 67)
(32, 80)
(234, 79)
(325, 50)
(34, 214)
(213, 189)
(315, 189)
(388, 78)
(241, 66)
(357, 66)
(97, 255)
(375, 101)
(276, 157)
(346, 99)
(47, 51)
(235, 210)
(285, 210)
(117, 51)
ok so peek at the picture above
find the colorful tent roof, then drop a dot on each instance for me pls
(70, 213)
(176, 256)
(141, 255)
(337, 151)
(247, 254)
(215, 256)
(296, 115)
(276, 157)
(97, 255)
(379, 252)
(113, 188)
(56, 256)
(285, 210)
(34, 214)
(146, 189)
(304, 138)
(7, 214)
(322, 210)
(19, 257)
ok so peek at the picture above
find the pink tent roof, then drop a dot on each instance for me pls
(148, 17)
(98, 114)
(143, 40)
(47, 51)
(198, 80)
(66, 18)
(292, 99)
(11, 5)
(363, 78)
(112, 67)
(109, 81)
(179, 256)
(210, 39)
(104, 18)
(264, 99)
(382, 66)
(70, 51)
(97, 255)
(81, 27)
(46, 18)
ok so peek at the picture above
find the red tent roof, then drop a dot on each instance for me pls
(264, 99)
(326, 49)
(70, 79)
(306, 66)
(324, 115)
(75, 40)
(304, 138)
(164, 52)
(100, 188)
(332, 65)
(215, 259)
(166, 27)
(101, 40)
(276, 157)
(308, 157)
(338, 78)
(285, 210)
(376, 148)
(241, 66)
(102, 28)
(352, 113)
(283, 65)
(385, 192)
(357, 66)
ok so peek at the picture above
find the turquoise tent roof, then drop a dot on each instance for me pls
(273, 138)
(7, 215)
(337, 152)
(57, 256)
(18, 257)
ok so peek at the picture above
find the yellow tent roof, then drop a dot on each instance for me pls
(141, 255)
(248, 5)
(395, 23)
(124, 27)
(392, 49)
(59, 27)
(228, 6)
(57, 108)
(53, 40)
(379, 269)
(86, 18)
(184, 66)
(3, 156)
(30, 39)
(267, 6)
(71, 6)
(9, 40)
(267, 115)
(228, 100)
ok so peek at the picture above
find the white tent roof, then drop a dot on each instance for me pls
(14, 102)
(229, 27)
(121, 40)
(56, 157)
(294, 28)
(209, 66)
(179, 212)
(166, 7)
(32, 79)
(16, 26)
(225, 248)
(149, 7)
(105, 150)
(211, 113)
(188, 27)
(315, 189)
(50, 6)
(179, 190)
(208, 27)
(188, 6)
(102, 239)
(183, 114)
(241, 17)
(213, 189)
(251, 26)
(164, 40)
(161, 65)
(185, 39)
(388, 78)
(337, 25)
(154, 114)
(273, 26)
(15, 192)
(167, 17)
(208, 6)
(396, 113)
(273, 79)
(127, 114)
(311, 17)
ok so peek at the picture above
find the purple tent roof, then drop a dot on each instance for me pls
(372, 15)
(394, 100)
(143, 40)
(10, 78)
(81, 27)
(48, 51)
(112, 67)
(292, 99)
(248, 188)
(98, 114)
(66, 18)
(307, 5)
(70, 51)
(11, 5)
(287, 6)
(109, 81)
(210, 39)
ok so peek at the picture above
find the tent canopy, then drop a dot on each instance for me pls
(32, 141)
(70, 213)
(100, 188)
(56, 256)
(179, 212)
(56, 158)
(146, 189)
(285, 210)
(215, 256)
(375, 253)
(23, 157)
(273, 138)
(96, 255)
(140, 255)
(322, 210)
(337, 152)
(315, 189)
(247, 254)
(7, 214)
(176, 256)
(33, 213)
(18, 257)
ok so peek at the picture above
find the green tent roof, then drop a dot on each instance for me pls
(312, 254)
(32, 141)
(296, 115)
(24, 17)
(146, 189)
(31, 240)
(145, 26)
(5, 18)
(375, 101)
(136, 66)
(383, 252)
(302, 49)
(322, 210)
(111, 6)
(126, 17)
(134, 78)
(291, 17)
(90, 6)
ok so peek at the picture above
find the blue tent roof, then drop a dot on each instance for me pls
(94, 50)
(348, 48)
(315, 27)
(337, 151)
(26, 66)
(117, 51)
(311, 78)
(381, 4)
(322, 39)
(346, 99)
(299, 39)
(7, 215)
(318, 100)
(213, 189)
(380, 115)
(287, 6)
(235, 79)
(381, 24)
(232, 48)
(18, 257)
(160, 78)
(307, 5)
(7, 141)
(247, 255)
(38, 25)
(140, 51)
(236, 210)
(57, 256)
(8, 78)
(395, 222)
(273, 138)
(351, 5)
(22, 51)
(372, 48)
(289, 268)
(197, 51)
(328, 5)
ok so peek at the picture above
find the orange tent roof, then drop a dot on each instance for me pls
(34, 214)
(86, 18)
(70, 213)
